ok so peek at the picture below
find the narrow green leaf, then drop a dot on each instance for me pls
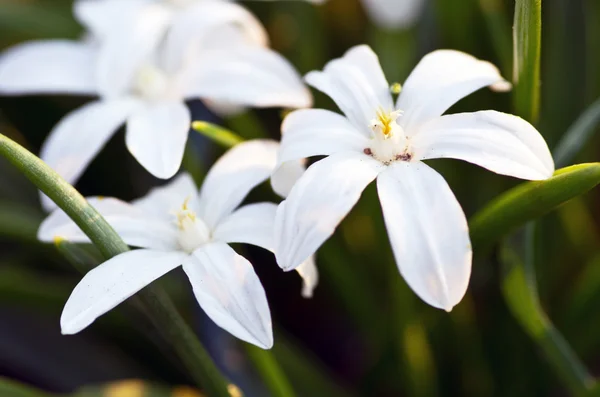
(220, 135)
(271, 373)
(9, 388)
(527, 35)
(497, 22)
(578, 135)
(528, 201)
(160, 308)
(520, 293)
(19, 222)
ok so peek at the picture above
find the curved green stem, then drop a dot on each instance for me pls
(160, 309)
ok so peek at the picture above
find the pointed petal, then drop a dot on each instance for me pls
(441, 79)
(248, 76)
(111, 283)
(190, 30)
(156, 137)
(428, 232)
(232, 177)
(357, 85)
(103, 17)
(162, 201)
(229, 291)
(251, 224)
(76, 140)
(286, 175)
(393, 14)
(317, 132)
(317, 204)
(48, 67)
(310, 276)
(136, 228)
(500, 142)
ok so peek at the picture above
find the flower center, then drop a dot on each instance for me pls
(193, 232)
(388, 142)
(150, 82)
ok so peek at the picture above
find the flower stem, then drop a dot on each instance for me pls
(160, 309)
(267, 366)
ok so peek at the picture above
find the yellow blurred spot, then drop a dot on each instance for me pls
(234, 391)
(58, 240)
(396, 88)
(200, 125)
(185, 391)
(127, 388)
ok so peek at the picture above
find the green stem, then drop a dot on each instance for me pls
(9, 388)
(220, 135)
(160, 309)
(269, 369)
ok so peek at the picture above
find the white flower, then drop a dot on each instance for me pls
(378, 139)
(394, 14)
(153, 58)
(175, 225)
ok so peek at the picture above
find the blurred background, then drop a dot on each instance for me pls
(364, 333)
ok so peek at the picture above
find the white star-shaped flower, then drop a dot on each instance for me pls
(144, 59)
(176, 226)
(387, 141)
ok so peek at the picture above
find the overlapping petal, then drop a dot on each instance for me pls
(233, 176)
(162, 202)
(78, 137)
(156, 137)
(440, 79)
(251, 224)
(318, 203)
(247, 76)
(318, 132)
(357, 85)
(136, 227)
(229, 291)
(428, 232)
(49, 67)
(109, 284)
(500, 142)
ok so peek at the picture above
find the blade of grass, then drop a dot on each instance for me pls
(161, 310)
(520, 293)
(527, 36)
(267, 366)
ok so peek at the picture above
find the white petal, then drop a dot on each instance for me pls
(111, 283)
(441, 79)
(394, 14)
(78, 138)
(317, 204)
(248, 76)
(190, 30)
(136, 227)
(232, 177)
(229, 291)
(428, 232)
(161, 202)
(317, 132)
(310, 276)
(103, 17)
(500, 142)
(251, 224)
(357, 85)
(286, 175)
(156, 137)
(48, 67)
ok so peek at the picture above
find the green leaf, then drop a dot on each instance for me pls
(529, 201)
(527, 35)
(577, 136)
(520, 293)
(218, 134)
(9, 388)
(271, 373)
(159, 307)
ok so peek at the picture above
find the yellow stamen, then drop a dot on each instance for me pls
(386, 123)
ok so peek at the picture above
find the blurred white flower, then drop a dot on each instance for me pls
(394, 14)
(144, 58)
(387, 141)
(175, 225)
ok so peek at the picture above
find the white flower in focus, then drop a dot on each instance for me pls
(175, 225)
(282, 182)
(144, 59)
(387, 141)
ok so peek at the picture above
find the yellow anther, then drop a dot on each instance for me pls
(386, 123)
(396, 88)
